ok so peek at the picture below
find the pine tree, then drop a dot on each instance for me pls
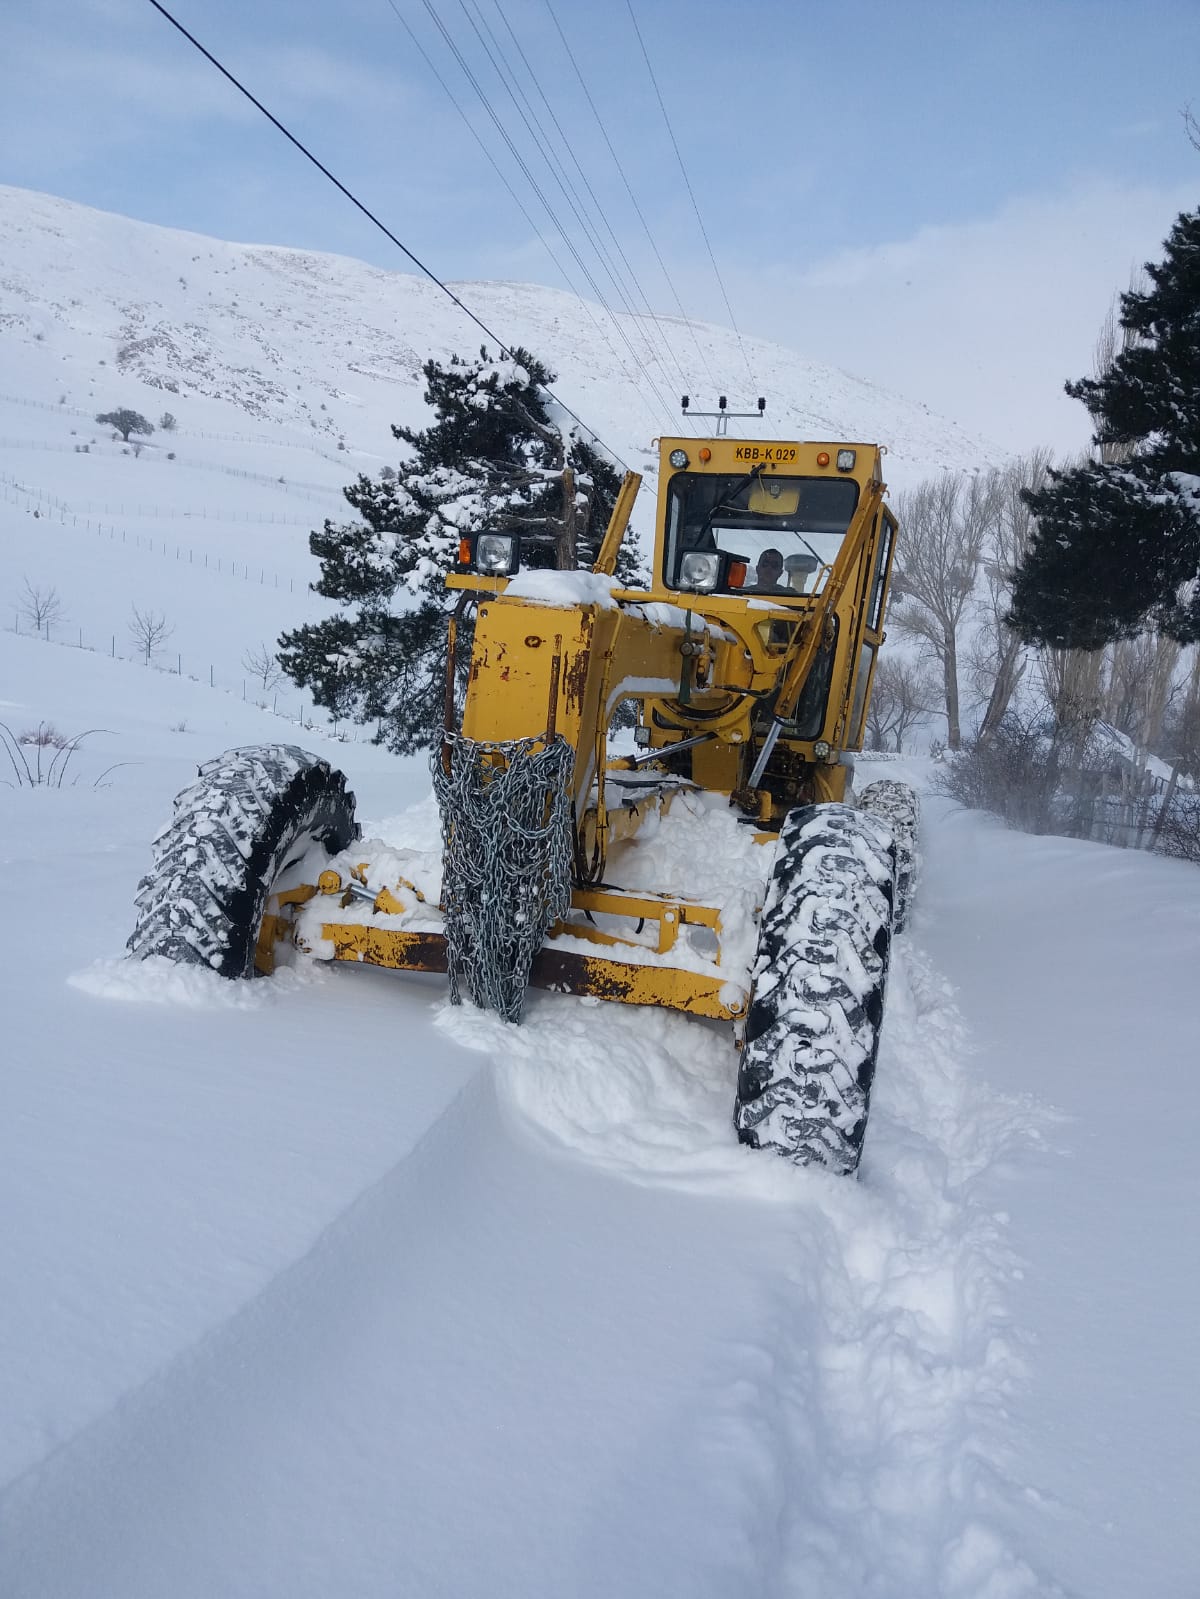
(494, 457)
(1117, 544)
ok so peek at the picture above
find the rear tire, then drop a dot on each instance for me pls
(250, 813)
(817, 992)
(900, 807)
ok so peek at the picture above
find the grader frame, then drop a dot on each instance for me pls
(756, 696)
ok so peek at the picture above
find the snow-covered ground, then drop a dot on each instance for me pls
(316, 1286)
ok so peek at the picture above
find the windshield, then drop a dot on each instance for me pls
(788, 530)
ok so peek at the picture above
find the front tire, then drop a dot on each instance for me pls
(817, 992)
(250, 813)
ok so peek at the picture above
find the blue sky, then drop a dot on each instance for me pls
(939, 197)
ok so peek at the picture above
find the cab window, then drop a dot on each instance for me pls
(787, 531)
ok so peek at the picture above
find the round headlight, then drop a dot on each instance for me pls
(678, 458)
(822, 749)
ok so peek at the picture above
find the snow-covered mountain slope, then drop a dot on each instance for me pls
(284, 371)
(328, 349)
(315, 1285)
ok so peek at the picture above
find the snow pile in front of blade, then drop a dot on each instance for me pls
(701, 851)
(639, 1092)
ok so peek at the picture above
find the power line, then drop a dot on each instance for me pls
(372, 218)
(536, 187)
(502, 67)
(519, 203)
(555, 167)
(632, 196)
(691, 192)
(597, 207)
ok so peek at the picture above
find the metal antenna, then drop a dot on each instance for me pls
(723, 413)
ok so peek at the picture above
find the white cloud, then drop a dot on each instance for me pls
(982, 320)
(75, 95)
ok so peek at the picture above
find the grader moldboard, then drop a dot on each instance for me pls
(749, 660)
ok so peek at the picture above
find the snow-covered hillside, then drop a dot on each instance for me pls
(284, 372)
(316, 1286)
(106, 311)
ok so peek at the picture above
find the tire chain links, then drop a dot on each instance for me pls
(506, 863)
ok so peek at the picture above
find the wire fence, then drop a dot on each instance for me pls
(303, 489)
(48, 509)
(44, 405)
(39, 502)
(263, 691)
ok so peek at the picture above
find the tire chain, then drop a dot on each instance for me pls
(506, 868)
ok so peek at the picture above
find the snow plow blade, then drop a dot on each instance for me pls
(616, 968)
(563, 971)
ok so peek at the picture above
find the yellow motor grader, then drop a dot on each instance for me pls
(748, 662)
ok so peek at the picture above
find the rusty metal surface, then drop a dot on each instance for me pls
(566, 971)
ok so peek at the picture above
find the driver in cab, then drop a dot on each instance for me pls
(768, 574)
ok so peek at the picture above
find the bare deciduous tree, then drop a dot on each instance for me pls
(262, 664)
(41, 607)
(149, 631)
(1073, 681)
(945, 523)
(1113, 340)
(903, 692)
(1141, 678)
(997, 657)
(1183, 721)
(1176, 827)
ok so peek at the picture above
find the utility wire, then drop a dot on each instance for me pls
(597, 325)
(371, 217)
(636, 291)
(632, 196)
(536, 187)
(541, 144)
(596, 204)
(690, 190)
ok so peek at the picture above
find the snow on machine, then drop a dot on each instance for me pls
(749, 662)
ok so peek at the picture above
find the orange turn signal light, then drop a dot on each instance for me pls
(737, 574)
(464, 552)
(705, 453)
(823, 458)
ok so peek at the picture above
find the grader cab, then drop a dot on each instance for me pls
(747, 664)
